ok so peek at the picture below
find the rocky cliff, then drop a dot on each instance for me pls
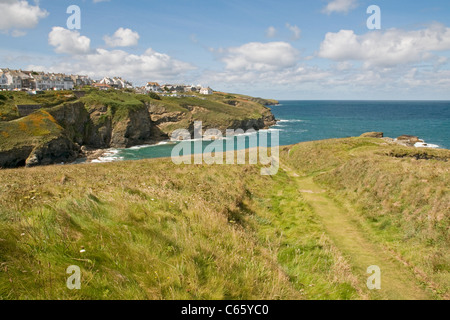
(62, 133)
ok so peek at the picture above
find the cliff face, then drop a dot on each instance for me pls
(167, 121)
(134, 130)
(37, 139)
(73, 117)
(15, 157)
(59, 150)
(97, 127)
(58, 134)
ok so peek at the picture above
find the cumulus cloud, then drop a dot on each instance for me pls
(68, 41)
(264, 65)
(340, 6)
(295, 31)
(259, 56)
(388, 48)
(102, 62)
(17, 15)
(122, 38)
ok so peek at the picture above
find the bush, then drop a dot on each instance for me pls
(2, 97)
(155, 96)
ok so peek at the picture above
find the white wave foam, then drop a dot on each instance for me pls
(426, 145)
(290, 121)
(108, 156)
(140, 147)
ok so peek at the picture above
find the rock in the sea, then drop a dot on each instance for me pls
(407, 140)
(378, 135)
(410, 139)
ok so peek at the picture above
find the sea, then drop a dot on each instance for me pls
(301, 121)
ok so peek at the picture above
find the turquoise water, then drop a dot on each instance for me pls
(316, 120)
(429, 120)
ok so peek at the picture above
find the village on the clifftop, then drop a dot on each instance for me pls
(33, 82)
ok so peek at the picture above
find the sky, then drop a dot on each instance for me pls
(285, 49)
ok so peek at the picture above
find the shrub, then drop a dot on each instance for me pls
(155, 96)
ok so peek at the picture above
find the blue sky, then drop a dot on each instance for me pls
(298, 49)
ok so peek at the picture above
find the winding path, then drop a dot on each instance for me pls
(398, 282)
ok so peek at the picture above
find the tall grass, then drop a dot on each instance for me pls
(153, 230)
(403, 202)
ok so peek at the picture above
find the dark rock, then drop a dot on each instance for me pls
(74, 118)
(16, 157)
(136, 129)
(55, 151)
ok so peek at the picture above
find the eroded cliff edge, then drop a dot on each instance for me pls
(101, 120)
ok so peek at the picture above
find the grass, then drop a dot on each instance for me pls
(399, 202)
(212, 109)
(153, 230)
(37, 127)
(120, 103)
(48, 99)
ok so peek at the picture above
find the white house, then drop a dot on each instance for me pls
(14, 81)
(3, 81)
(116, 82)
(31, 80)
(153, 87)
(68, 83)
(206, 91)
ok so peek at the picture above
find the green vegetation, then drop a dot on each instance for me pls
(398, 201)
(38, 127)
(214, 110)
(113, 118)
(120, 103)
(154, 95)
(48, 99)
(257, 100)
(154, 230)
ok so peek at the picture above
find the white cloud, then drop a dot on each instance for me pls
(259, 56)
(340, 6)
(295, 30)
(122, 38)
(17, 15)
(271, 32)
(388, 48)
(151, 65)
(68, 41)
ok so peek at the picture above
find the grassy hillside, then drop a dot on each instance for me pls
(36, 128)
(400, 197)
(222, 106)
(153, 230)
(9, 101)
